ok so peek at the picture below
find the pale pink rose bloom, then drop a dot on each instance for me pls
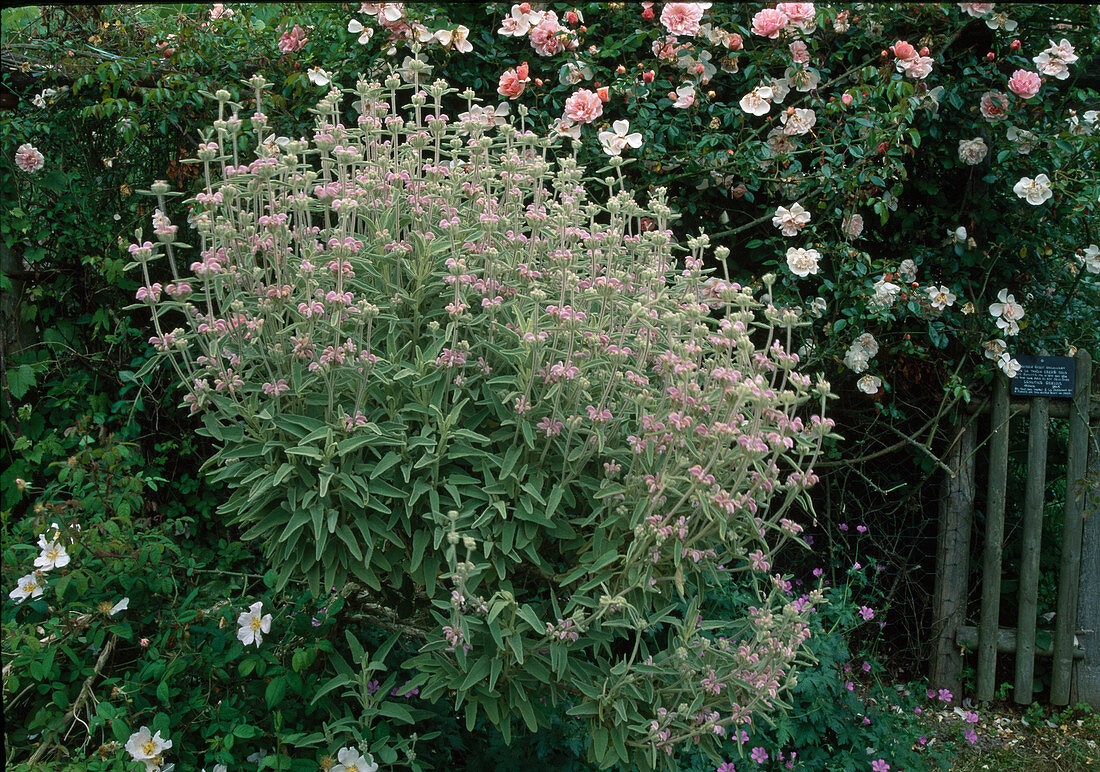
(977, 10)
(918, 68)
(803, 262)
(994, 106)
(791, 221)
(514, 81)
(1024, 83)
(619, 139)
(972, 151)
(583, 107)
(800, 53)
(869, 384)
(545, 36)
(684, 97)
(800, 15)
(903, 49)
(292, 40)
(683, 18)
(797, 120)
(768, 22)
(29, 159)
(1054, 67)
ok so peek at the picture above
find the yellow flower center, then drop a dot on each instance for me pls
(255, 624)
(150, 748)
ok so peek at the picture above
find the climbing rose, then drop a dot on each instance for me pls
(514, 81)
(994, 106)
(683, 97)
(28, 158)
(583, 107)
(799, 15)
(1035, 191)
(292, 40)
(1090, 257)
(614, 142)
(768, 22)
(683, 18)
(790, 221)
(803, 262)
(1024, 83)
(143, 745)
(869, 384)
(756, 101)
(972, 151)
(852, 225)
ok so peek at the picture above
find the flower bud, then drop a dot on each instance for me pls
(647, 76)
(647, 14)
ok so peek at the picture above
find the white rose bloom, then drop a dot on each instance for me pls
(1007, 312)
(803, 262)
(994, 348)
(802, 79)
(1023, 140)
(790, 221)
(780, 88)
(972, 151)
(615, 142)
(797, 120)
(685, 97)
(852, 225)
(756, 101)
(867, 340)
(1035, 191)
(563, 127)
(941, 297)
(571, 74)
(252, 624)
(144, 746)
(958, 235)
(1001, 21)
(886, 292)
(1090, 257)
(53, 555)
(29, 586)
(907, 271)
(856, 359)
(351, 760)
(869, 384)
(1008, 365)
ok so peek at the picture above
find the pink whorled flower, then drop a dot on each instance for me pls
(514, 81)
(768, 22)
(292, 40)
(583, 107)
(683, 18)
(799, 15)
(29, 159)
(1024, 83)
(994, 106)
(547, 36)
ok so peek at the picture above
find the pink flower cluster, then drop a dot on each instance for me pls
(770, 22)
(914, 64)
(292, 40)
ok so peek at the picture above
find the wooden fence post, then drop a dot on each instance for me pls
(953, 562)
(1065, 619)
(1038, 431)
(994, 541)
(1086, 681)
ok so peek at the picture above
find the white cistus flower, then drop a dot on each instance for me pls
(252, 625)
(352, 760)
(53, 555)
(122, 605)
(616, 141)
(29, 586)
(146, 746)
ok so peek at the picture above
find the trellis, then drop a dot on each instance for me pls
(1074, 644)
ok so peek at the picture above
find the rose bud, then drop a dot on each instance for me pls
(621, 69)
(603, 94)
(924, 51)
(571, 17)
(991, 56)
(846, 99)
(647, 14)
(647, 76)
(1014, 45)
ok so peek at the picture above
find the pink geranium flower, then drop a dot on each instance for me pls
(768, 22)
(514, 81)
(583, 107)
(29, 159)
(1024, 83)
(683, 18)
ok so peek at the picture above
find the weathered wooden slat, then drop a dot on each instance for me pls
(994, 541)
(1069, 571)
(1032, 536)
(953, 562)
(1005, 640)
(1085, 686)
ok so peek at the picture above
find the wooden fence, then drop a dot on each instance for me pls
(1074, 643)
